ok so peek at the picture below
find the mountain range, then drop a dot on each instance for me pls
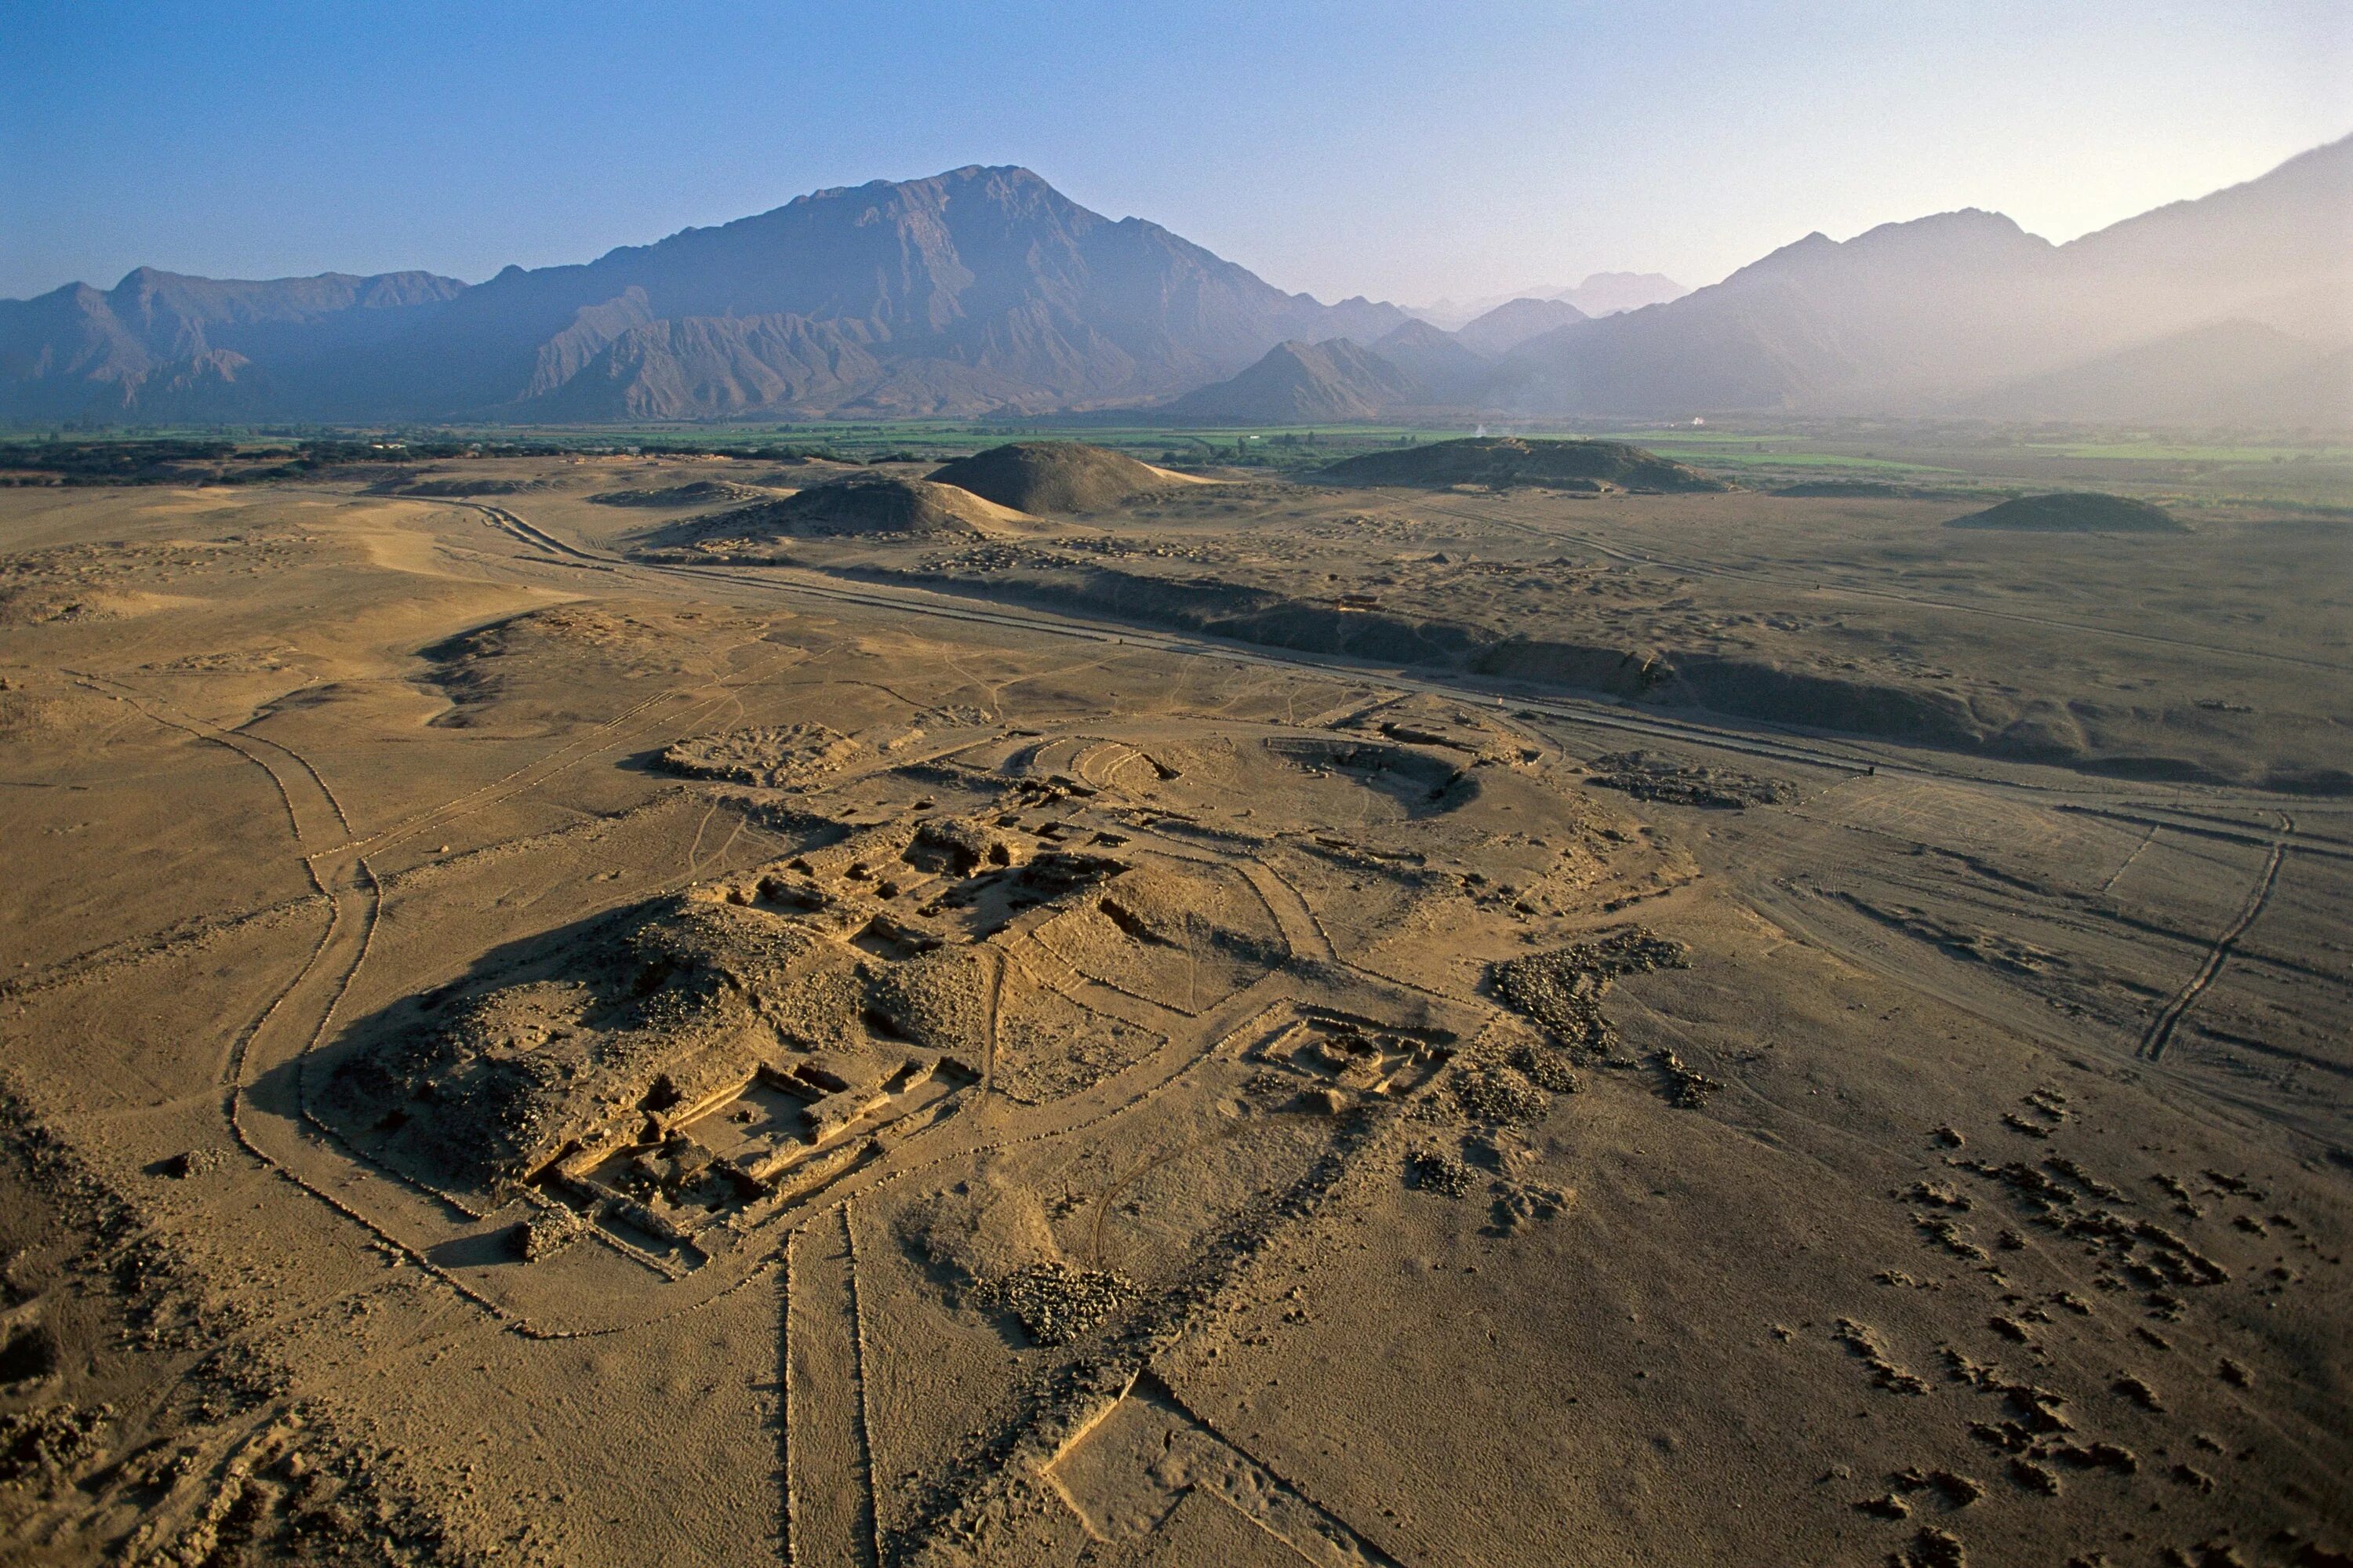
(978, 290)
(2227, 301)
(1602, 294)
(985, 291)
(2235, 308)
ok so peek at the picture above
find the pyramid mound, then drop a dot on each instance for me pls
(863, 504)
(2074, 511)
(1040, 477)
(1514, 460)
(700, 493)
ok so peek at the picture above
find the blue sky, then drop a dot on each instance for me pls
(1403, 150)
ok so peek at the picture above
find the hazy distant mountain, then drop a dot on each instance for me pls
(1301, 383)
(1965, 311)
(172, 346)
(1442, 369)
(2258, 374)
(985, 291)
(1602, 294)
(1887, 315)
(977, 291)
(1607, 293)
(1514, 322)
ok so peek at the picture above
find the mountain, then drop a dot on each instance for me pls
(2261, 373)
(1602, 294)
(985, 291)
(2277, 249)
(1966, 311)
(165, 345)
(1514, 322)
(1443, 370)
(1608, 293)
(1301, 384)
(977, 291)
(1889, 315)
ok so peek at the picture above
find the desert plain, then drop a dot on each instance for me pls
(592, 1009)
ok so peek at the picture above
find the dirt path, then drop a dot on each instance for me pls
(829, 1512)
(2161, 1028)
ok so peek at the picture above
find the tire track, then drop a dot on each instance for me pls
(2160, 1029)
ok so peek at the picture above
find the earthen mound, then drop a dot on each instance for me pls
(860, 505)
(768, 757)
(696, 1053)
(2074, 511)
(1041, 477)
(1652, 776)
(701, 492)
(1501, 461)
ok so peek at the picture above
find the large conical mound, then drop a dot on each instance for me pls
(1041, 477)
(1502, 460)
(863, 504)
(2074, 512)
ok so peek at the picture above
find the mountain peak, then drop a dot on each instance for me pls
(1302, 382)
(1514, 322)
(1964, 237)
(982, 288)
(1961, 226)
(1011, 174)
(976, 289)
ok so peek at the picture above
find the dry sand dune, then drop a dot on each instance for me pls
(1286, 1022)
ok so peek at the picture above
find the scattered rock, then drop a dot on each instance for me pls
(193, 1162)
(544, 1234)
(1679, 781)
(1434, 1171)
(50, 1441)
(1057, 1302)
(1934, 1548)
(1864, 1346)
(2033, 1476)
(1563, 990)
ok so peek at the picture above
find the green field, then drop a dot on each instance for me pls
(1758, 455)
(2159, 452)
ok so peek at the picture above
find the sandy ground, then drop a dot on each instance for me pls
(520, 1050)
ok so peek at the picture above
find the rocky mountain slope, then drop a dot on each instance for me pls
(977, 291)
(1296, 382)
(985, 291)
(1513, 322)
